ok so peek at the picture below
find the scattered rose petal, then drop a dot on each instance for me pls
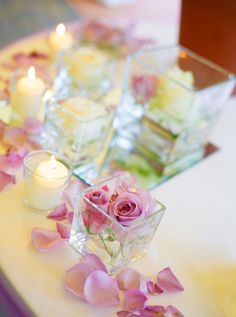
(64, 230)
(12, 160)
(126, 313)
(75, 278)
(33, 126)
(134, 300)
(153, 288)
(71, 193)
(168, 282)
(128, 279)
(153, 311)
(171, 311)
(45, 240)
(101, 289)
(2, 127)
(70, 216)
(143, 286)
(59, 213)
(15, 137)
(93, 261)
(6, 179)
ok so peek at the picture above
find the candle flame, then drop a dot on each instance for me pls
(60, 30)
(31, 73)
(53, 162)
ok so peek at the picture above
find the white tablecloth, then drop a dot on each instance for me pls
(196, 238)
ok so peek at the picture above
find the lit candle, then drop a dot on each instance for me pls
(27, 97)
(51, 173)
(60, 40)
(45, 187)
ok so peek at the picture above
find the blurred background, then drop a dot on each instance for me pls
(205, 26)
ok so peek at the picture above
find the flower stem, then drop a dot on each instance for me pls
(109, 251)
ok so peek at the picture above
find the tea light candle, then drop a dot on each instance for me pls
(51, 173)
(27, 97)
(45, 185)
(60, 40)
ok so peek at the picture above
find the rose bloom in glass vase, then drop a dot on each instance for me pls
(115, 220)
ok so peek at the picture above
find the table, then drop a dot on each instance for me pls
(196, 238)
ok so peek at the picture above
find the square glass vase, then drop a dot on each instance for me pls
(95, 230)
(77, 129)
(171, 98)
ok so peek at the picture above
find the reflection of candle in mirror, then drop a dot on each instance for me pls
(27, 97)
(60, 40)
(44, 189)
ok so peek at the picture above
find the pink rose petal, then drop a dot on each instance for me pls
(106, 188)
(153, 311)
(15, 137)
(126, 313)
(70, 216)
(75, 278)
(93, 261)
(143, 286)
(6, 179)
(128, 279)
(12, 160)
(33, 126)
(153, 288)
(168, 282)
(59, 213)
(171, 311)
(101, 289)
(2, 128)
(71, 192)
(134, 300)
(45, 240)
(64, 230)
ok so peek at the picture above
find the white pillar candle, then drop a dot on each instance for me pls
(60, 40)
(27, 97)
(45, 188)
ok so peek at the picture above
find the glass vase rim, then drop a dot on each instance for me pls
(230, 76)
(161, 209)
(35, 152)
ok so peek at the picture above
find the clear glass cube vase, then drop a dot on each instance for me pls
(99, 228)
(171, 99)
(77, 129)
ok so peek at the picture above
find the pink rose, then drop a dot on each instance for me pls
(130, 207)
(94, 220)
(144, 87)
(98, 196)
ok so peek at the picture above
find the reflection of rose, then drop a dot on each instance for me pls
(93, 219)
(144, 87)
(131, 206)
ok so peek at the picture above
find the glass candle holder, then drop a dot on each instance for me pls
(45, 179)
(77, 128)
(115, 220)
(171, 99)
